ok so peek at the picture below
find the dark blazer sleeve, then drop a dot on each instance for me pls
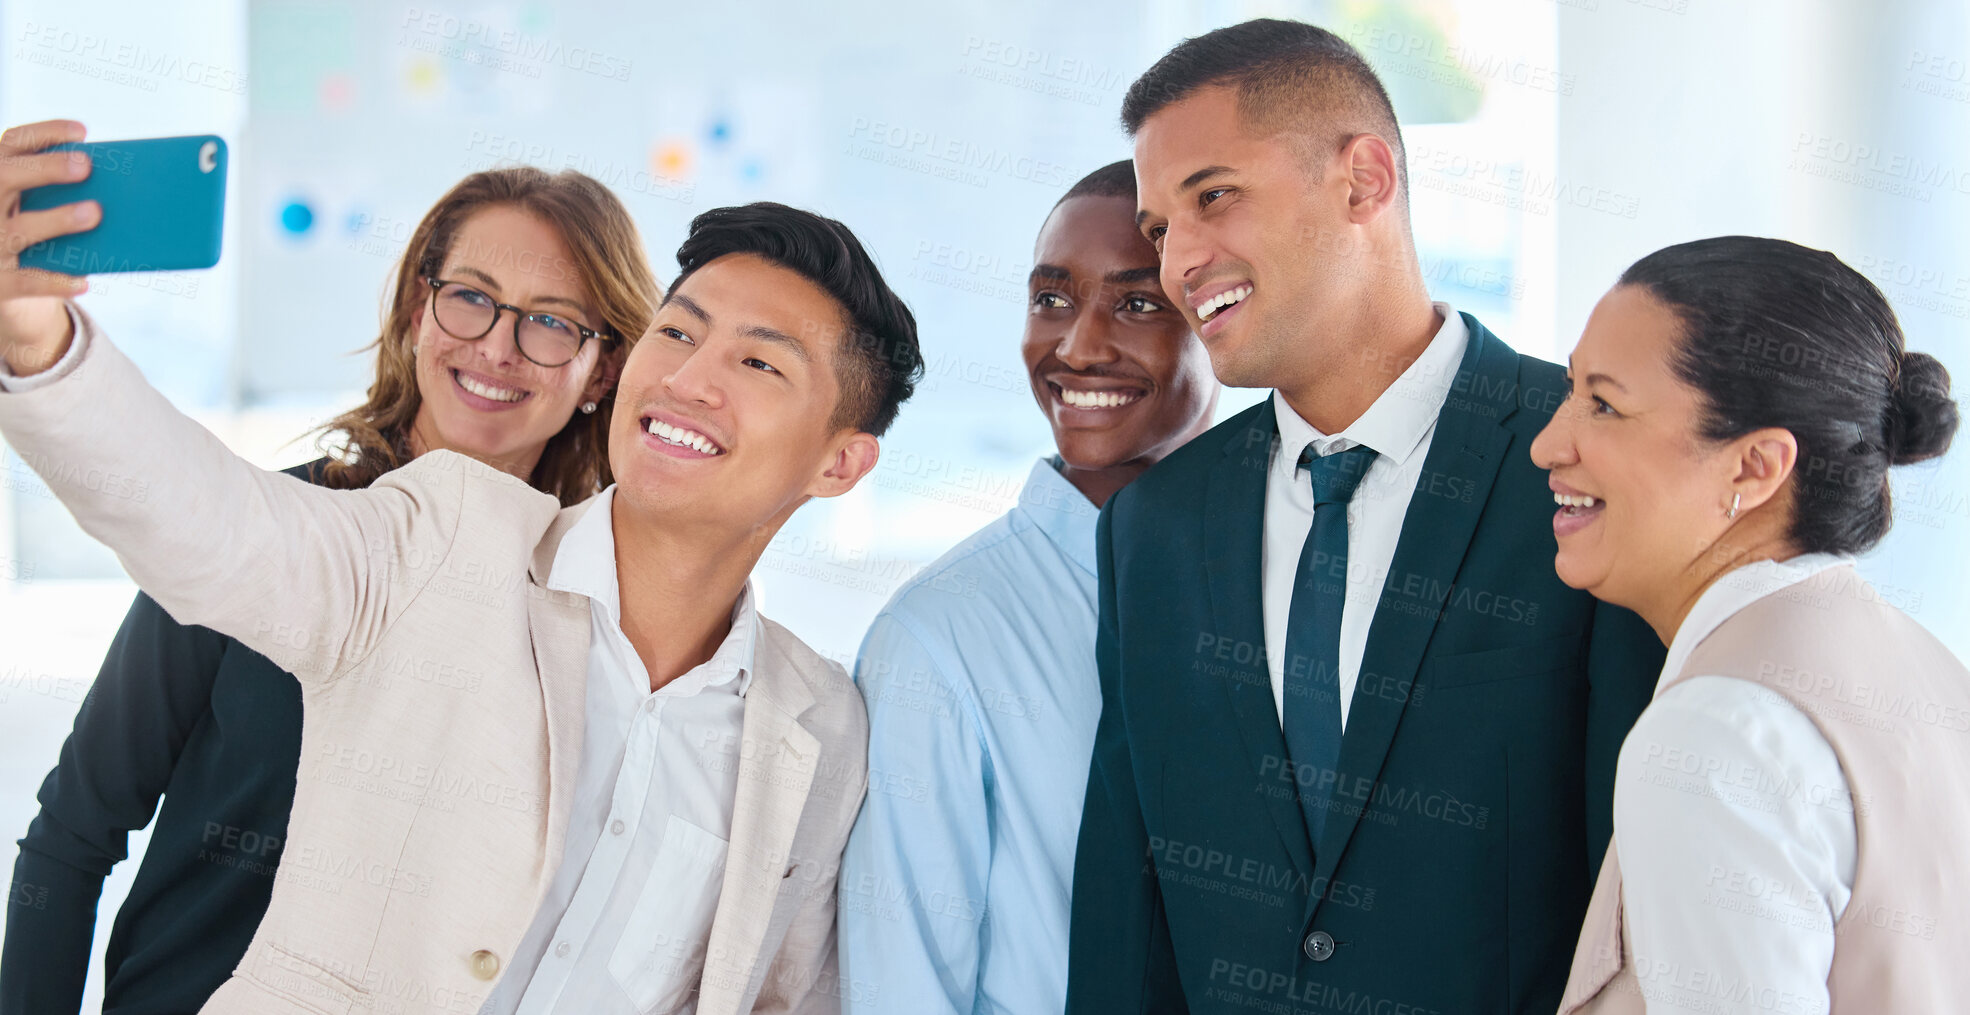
(154, 686)
(1624, 660)
(1119, 953)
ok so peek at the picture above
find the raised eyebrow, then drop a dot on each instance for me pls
(1194, 179)
(1189, 183)
(777, 337)
(1132, 276)
(689, 305)
(488, 280)
(563, 300)
(1623, 388)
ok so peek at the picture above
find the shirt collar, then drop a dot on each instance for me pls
(1060, 511)
(1736, 590)
(585, 564)
(1402, 416)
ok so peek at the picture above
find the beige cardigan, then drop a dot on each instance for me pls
(443, 704)
(1895, 705)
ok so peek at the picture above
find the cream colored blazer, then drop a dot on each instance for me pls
(443, 686)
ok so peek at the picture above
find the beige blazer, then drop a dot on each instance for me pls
(443, 686)
(1894, 703)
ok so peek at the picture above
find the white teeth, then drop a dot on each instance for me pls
(683, 438)
(1097, 399)
(1222, 300)
(1582, 501)
(488, 391)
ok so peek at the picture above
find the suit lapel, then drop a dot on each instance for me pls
(1465, 452)
(777, 761)
(1234, 527)
(558, 625)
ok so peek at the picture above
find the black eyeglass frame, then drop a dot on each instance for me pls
(519, 315)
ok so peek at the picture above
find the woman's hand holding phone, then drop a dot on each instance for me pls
(34, 324)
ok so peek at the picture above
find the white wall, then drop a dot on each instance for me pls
(1839, 125)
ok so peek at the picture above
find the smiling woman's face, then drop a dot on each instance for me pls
(481, 397)
(1110, 359)
(1627, 438)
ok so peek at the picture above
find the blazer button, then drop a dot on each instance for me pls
(485, 965)
(1319, 946)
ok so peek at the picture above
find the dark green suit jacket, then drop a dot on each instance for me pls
(1473, 800)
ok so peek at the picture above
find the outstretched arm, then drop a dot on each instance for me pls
(306, 576)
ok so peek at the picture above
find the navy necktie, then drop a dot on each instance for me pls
(1313, 633)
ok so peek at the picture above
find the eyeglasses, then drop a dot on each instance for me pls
(549, 340)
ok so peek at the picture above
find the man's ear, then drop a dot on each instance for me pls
(1374, 180)
(1764, 459)
(854, 456)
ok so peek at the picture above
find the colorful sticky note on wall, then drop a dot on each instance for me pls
(296, 218)
(671, 159)
(423, 77)
(337, 92)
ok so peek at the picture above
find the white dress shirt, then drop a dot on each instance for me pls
(1735, 827)
(623, 926)
(1398, 426)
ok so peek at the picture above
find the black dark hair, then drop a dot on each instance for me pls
(881, 362)
(1280, 68)
(1116, 179)
(1780, 335)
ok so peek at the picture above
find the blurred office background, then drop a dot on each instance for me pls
(1552, 142)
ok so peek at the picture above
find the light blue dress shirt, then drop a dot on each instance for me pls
(982, 692)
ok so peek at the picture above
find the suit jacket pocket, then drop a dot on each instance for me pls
(313, 981)
(1536, 658)
(661, 953)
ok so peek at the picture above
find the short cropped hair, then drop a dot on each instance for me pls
(1116, 179)
(880, 361)
(1288, 75)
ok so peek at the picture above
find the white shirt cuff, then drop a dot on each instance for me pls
(62, 368)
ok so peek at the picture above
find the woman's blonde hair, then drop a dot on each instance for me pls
(374, 438)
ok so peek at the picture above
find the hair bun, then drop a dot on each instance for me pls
(1922, 416)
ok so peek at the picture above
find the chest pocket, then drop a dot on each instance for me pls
(661, 954)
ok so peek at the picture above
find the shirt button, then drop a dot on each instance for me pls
(485, 965)
(561, 950)
(615, 827)
(1320, 946)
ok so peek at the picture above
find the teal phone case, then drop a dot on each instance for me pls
(163, 202)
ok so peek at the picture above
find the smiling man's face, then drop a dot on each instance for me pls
(1254, 233)
(725, 407)
(1111, 360)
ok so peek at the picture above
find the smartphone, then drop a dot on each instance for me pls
(163, 202)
